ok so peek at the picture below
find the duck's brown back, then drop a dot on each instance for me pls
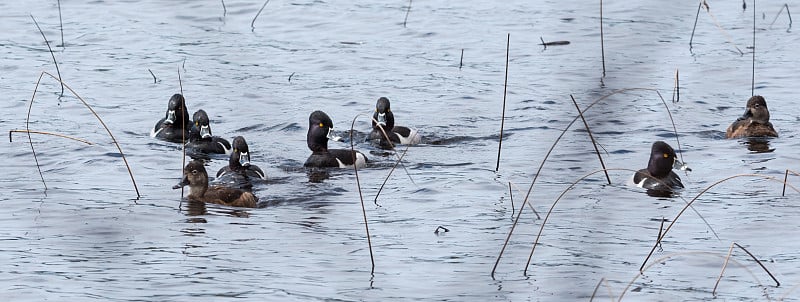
(230, 197)
(748, 128)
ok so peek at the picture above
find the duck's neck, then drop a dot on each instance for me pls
(197, 191)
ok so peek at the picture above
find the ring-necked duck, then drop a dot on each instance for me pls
(174, 127)
(201, 139)
(659, 176)
(239, 170)
(195, 176)
(320, 129)
(384, 118)
(754, 122)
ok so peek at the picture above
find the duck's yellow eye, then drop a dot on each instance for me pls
(321, 125)
(197, 123)
(235, 150)
(376, 110)
(666, 155)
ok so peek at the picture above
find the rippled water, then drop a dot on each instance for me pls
(87, 237)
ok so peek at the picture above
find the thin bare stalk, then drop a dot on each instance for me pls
(155, 80)
(392, 147)
(697, 16)
(667, 257)
(730, 251)
(58, 71)
(677, 90)
(602, 42)
(594, 143)
(753, 78)
(389, 175)
(183, 134)
(529, 204)
(224, 9)
(61, 25)
(503, 117)
(786, 6)
(669, 227)
(407, 12)
(49, 133)
(114, 139)
(721, 29)
(361, 195)
(602, 281)
(253, 23)
(461, 62)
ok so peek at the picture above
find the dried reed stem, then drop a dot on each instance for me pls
(361, 195)
(48, 133)
(665, 258)
(58, 71)
(407, 12)
(503, 117)
(602, 42)
(786, 6)
(602, 281)
(594, 143)
(390, 174)
(730, 251)
(697, 16)
(677, 90)
(461, 61)
(61, 25)
(753, 78)
(252, 24)
(669, 227)
(114, 139)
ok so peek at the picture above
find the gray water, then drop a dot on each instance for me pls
(88, 238)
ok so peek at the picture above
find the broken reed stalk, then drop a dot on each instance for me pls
(48, 133)
(253, 23)
(503, 116)
(541, 166)
(361, 195)
(672, 121)
(407, 12)
(61, 24)
(785, 178)
(461, 61)
(529, 204)
(677, 90)
(753, 78)
(155, 80)
(224, 9)
(602, 281)
(602, 42)
(594, 143)
(670, 256)
(58, 71)
(389, 175)
(669, 227)
(114, 139)
(510, 193)
(697, 16)
(786, 6)
(724, 265)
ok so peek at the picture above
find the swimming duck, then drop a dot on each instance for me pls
(754, 121)
(239, 170)
(384, 118)
(659, 176)
(201, 139)
(174, 127)
(195, 176)
(320, 129)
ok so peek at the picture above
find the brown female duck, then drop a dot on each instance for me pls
(754, 122)
(196, 177)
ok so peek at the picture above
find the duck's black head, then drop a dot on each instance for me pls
(383, 114)
(320, 129)
(757, 109)
(176, 109)
(202, 123)
(240, 157)
(662, 160)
